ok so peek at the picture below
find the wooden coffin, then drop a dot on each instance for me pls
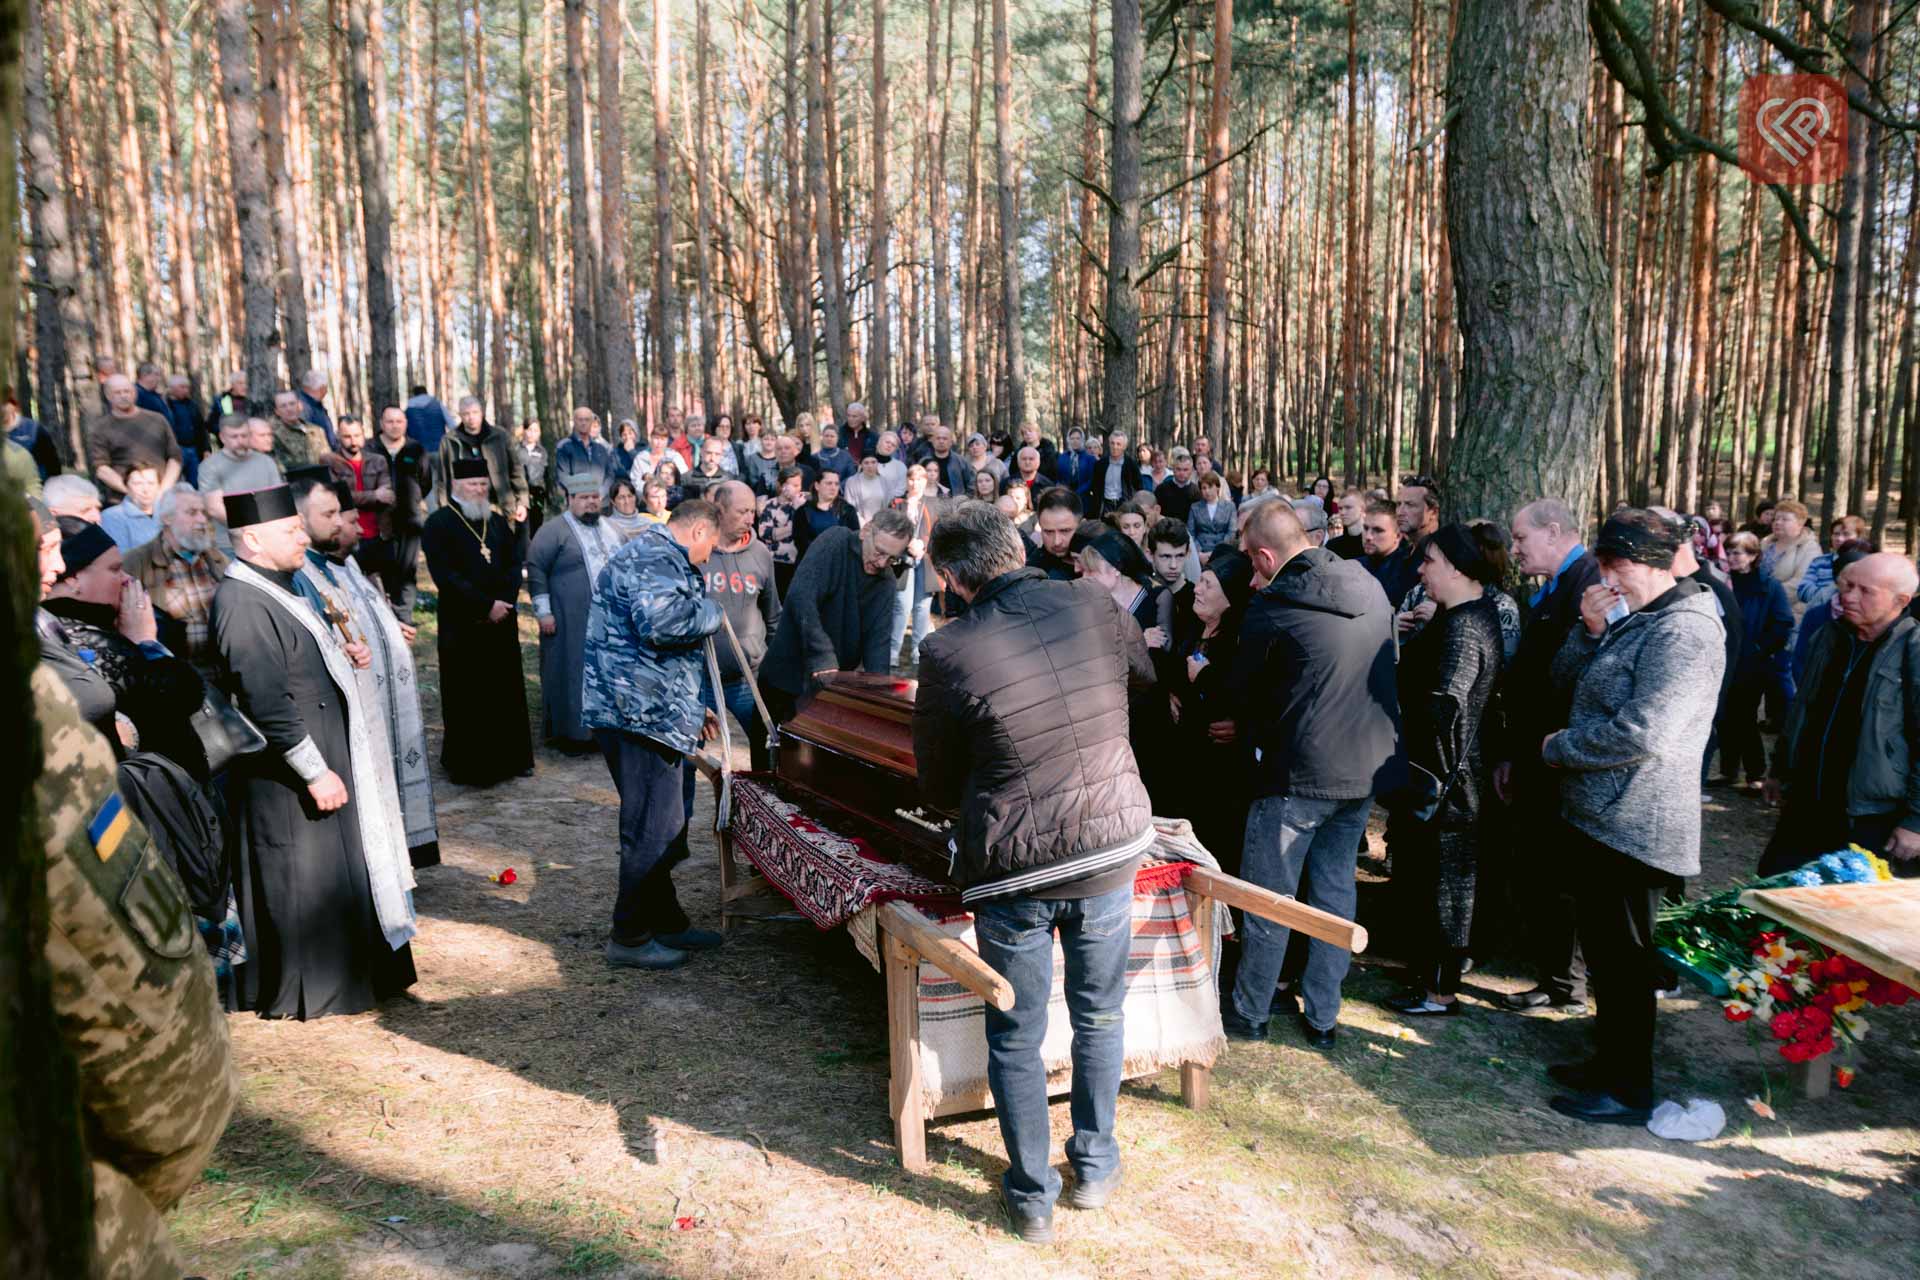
(852, 744)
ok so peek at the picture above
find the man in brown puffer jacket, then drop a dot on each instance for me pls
(1021, 726)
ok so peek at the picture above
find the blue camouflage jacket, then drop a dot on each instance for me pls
(645, 669)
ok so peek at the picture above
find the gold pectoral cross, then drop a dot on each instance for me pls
(486, 553)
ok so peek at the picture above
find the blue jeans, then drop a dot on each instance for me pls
(1016, 940)
(1286, 835)
(922, 611)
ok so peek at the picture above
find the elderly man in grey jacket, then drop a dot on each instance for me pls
(1644, 670)
(1849, 762)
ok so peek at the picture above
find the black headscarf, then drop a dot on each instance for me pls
(1120, 551)
(1639, 535)
(1234, 572)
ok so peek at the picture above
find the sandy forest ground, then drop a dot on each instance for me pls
(529, 1113)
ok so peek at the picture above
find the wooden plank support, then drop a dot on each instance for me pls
(906, 1098)
(960, 962)
(1196, 1078)
(1269, 905)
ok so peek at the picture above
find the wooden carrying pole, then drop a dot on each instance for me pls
(1269, 905)
(961, 963)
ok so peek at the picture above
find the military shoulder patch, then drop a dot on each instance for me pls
(109, 826)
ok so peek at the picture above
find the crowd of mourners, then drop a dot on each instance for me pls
(1531, 700)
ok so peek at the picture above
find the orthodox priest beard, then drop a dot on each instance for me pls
(475, 510)
(588, 517)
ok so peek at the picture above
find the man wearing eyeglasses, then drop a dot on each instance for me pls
(838, 613)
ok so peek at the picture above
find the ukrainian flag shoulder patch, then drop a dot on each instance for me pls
(109, 826)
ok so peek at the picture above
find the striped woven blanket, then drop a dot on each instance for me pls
(1171, 1014)
(839, 874)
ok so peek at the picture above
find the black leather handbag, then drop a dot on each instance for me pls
(225, 734)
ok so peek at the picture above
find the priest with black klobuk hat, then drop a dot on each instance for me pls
(323, 882)
(471, 553)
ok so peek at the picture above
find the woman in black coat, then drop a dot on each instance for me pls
(1116, 562)
(826, 510)
(1211, 784)
(1446, 681)
(1764, 642)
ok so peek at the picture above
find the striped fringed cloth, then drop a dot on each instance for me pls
(1171, 1014)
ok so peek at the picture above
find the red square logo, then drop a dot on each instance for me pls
(1793, 129)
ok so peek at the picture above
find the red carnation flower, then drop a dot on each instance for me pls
(1780, 991)
(1737, 1014)
(1784, 1024)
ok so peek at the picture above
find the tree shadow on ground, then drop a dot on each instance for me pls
(274, 1200)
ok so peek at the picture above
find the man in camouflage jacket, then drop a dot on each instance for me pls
(645, 672)
(135, 996)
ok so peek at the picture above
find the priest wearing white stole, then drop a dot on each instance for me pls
(322, 874)
(389, 692)
(565, 559)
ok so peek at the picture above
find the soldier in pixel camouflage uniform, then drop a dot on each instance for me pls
(135, 995)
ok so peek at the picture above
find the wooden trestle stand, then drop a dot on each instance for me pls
(907, 936)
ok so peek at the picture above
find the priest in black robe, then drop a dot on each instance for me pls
(470, 552)
(326, 924)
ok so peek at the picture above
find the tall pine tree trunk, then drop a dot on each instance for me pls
(1352, 305)
(279, 43)
(832, 303)
(1704, 255)
(704, 214)
(370, 148)
(1121, 331)
(1219, 228)
(1532, 283)
(1081, 412)
(1839, 496)
(1012, 328)
(879, 346)
(585, 375)
(186, 287)
(613, 306)
(246, 155)
(67, 395)
(493, 255)
(663, 296)
(973, 378)
(938, 98)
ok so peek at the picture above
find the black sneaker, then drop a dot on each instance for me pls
(1542, 998)
(1316, 1038)
(1033, 1226)
(1600, 1108)
(1094, 1195)
(1415, 1004)
(651, 954)
(1239, 1028)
